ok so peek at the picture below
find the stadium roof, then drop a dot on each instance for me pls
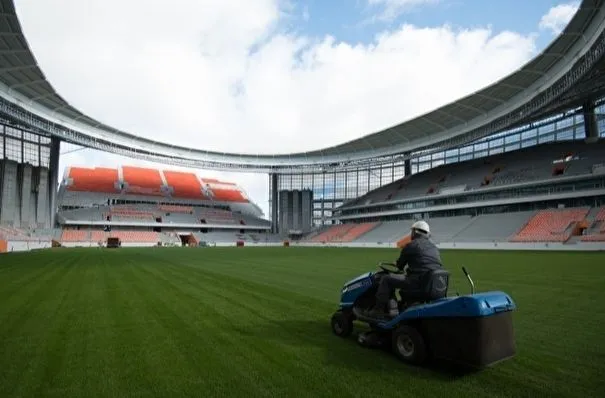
(524, 96)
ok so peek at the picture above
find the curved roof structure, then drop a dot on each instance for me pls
(26, 97)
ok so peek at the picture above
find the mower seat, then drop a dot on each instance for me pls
(435, 283)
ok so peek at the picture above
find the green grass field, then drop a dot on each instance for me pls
(168, 322)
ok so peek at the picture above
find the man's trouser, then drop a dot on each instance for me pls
(389, 282)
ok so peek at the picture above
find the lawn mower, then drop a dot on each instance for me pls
(473, 330)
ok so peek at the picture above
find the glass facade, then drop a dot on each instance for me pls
(554, 129)
(24, 147)
(334, 188)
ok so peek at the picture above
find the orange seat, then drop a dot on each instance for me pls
(140, 180)
(550, 226)
(126, 236)
(222, 191)
(333, 233)
(355, 232)
(74, 235)
(176, 209)
(98, 179)
(184, 185)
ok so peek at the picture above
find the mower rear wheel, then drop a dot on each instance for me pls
(409, 345)
(342, 324)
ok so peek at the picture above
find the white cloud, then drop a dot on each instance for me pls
(558, 17)
(391, 9)
(223, 74)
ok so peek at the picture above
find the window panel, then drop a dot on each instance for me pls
(565, 135)
(30, 152)
(45, 156)
(496, 151)
(511, 139)
(13, 150)
(12, 132)
(580, 133)
(529, 142)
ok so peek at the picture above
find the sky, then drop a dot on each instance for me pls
(274, 76)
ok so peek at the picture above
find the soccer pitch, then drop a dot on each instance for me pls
(230, 322)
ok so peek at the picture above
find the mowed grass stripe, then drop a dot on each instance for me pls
(255, 322)
(229, 311)
(38, 320)
(213, 325)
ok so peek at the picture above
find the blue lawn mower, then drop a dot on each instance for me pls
(473, 330)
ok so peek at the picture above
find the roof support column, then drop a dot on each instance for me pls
(407, 167)
(590, 122)
(53, 178)
(273, 179)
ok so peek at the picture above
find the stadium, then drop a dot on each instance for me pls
(205, 294)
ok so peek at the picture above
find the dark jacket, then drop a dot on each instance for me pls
(420, 255)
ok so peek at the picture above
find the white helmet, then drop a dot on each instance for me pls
(422, 227)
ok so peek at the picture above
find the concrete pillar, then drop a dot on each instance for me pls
(590, 122)
(53, 178)
(407, 167)
(273, 178)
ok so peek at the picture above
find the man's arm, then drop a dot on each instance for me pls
(406, 253)
(402, 260)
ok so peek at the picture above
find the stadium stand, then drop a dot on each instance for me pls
(543, 162)
(141, 181)
(173, 203)
(151, 206)
(551, 225)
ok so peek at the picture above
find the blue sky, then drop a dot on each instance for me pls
(356, 21)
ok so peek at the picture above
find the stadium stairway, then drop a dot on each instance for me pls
(595, 214)
(596, 226)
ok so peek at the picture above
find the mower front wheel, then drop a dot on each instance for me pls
(342, 324)
(408, 345)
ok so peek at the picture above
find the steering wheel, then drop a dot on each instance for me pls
(382, 264)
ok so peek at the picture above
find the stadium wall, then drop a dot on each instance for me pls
(508, 246)
(24, 246)
(95, 244)
(471, 246)
(27, 180)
